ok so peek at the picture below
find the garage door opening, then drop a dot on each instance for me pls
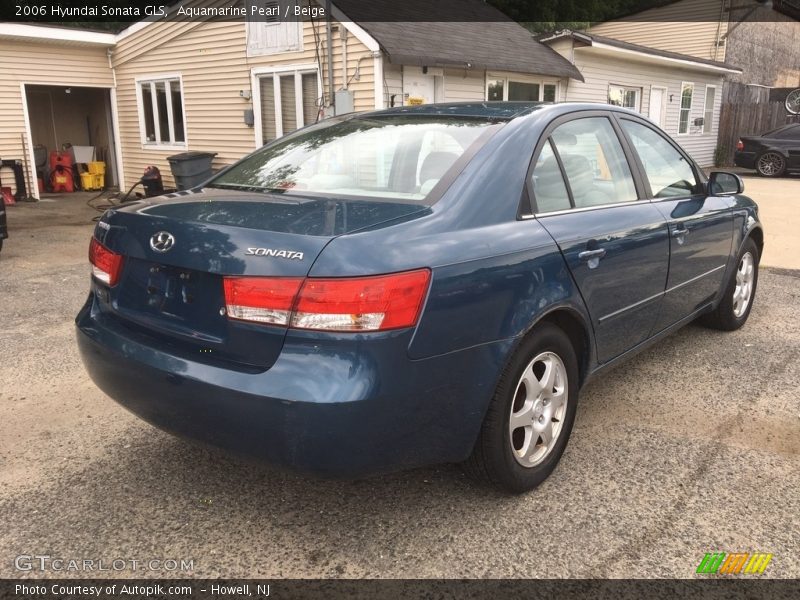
(74, 119)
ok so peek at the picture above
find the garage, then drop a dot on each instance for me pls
(75, 121)
(57, 96)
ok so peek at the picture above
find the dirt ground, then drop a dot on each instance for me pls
(779, 209)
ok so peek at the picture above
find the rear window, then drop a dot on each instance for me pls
(396, 158)
(785, 132)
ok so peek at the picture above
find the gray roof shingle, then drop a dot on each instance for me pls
(485, 39)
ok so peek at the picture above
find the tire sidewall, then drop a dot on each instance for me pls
(544, 338)
(737, 322)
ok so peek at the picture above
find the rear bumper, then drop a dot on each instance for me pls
(746, 160)
(332, 406)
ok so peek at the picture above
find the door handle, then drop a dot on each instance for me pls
(590, 254)
(680, 232)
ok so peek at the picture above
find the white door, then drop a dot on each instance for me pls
(658, 97)
(418, 87)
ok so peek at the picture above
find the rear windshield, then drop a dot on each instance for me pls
(393, 158)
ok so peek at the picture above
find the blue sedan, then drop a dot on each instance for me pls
(414, 286)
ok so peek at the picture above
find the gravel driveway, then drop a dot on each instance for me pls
(692, 447)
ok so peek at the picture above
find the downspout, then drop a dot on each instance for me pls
(343, 38)
(116, 135)
(329, 37)
(719, 28)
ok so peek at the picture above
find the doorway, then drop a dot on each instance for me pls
(658, 105)
(60, 117)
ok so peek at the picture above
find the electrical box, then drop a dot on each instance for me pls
(249, 117)
(344, 102)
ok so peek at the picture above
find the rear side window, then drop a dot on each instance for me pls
(549, 190)
(668, 172)
(594, 162)
(790, 133)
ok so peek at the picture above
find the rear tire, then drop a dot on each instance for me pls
(739, 294)
(530, 417)
(771, 164)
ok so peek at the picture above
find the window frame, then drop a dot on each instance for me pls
(158, 144)
(277, 72)
(681, 109)
(638, 90)
(640, 167)
(508, 78)
(528, 208)
(709, 122)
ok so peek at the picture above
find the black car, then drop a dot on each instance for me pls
(771, 154)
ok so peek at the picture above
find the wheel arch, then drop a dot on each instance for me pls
(577, 329)
(756, 233)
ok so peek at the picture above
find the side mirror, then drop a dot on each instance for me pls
(722, 182)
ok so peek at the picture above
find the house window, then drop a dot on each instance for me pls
(708, 114)
(518, 90)
(271, 34)
(161, 115)
(495, 89)
(628, 97)
(289, 100)
(506, 89)
(687, 91)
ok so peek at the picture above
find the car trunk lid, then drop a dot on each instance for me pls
(178, 249)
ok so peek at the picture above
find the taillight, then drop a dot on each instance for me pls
(740, 145)
(106, 265)
(374, 303)
(261, 299)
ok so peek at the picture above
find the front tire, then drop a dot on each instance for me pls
(771, 164)
(530, 417)
(740, 292)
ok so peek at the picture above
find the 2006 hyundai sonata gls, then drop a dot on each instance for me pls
(414, 286)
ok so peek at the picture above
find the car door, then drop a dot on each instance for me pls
(615, 243)
(788, 139)
(700, 225)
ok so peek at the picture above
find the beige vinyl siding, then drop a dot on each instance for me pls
(462, 85)
(48, 64)
(689, 26)
(600, 71)
(212, 62)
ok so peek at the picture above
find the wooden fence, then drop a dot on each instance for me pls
(747, 110)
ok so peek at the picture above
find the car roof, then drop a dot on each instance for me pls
(489, 110)
(492, 110)
(781, 129)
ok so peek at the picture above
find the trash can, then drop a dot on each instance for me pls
(191, 168)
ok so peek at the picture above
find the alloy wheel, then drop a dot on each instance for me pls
(537, 413)
(770, 164)
(743, 291)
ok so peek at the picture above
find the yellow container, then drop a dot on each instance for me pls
(97, 168)
(99, 181)
(88, 181)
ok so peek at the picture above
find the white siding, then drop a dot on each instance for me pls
(392, 84)
(462, 85)
(600, 71)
